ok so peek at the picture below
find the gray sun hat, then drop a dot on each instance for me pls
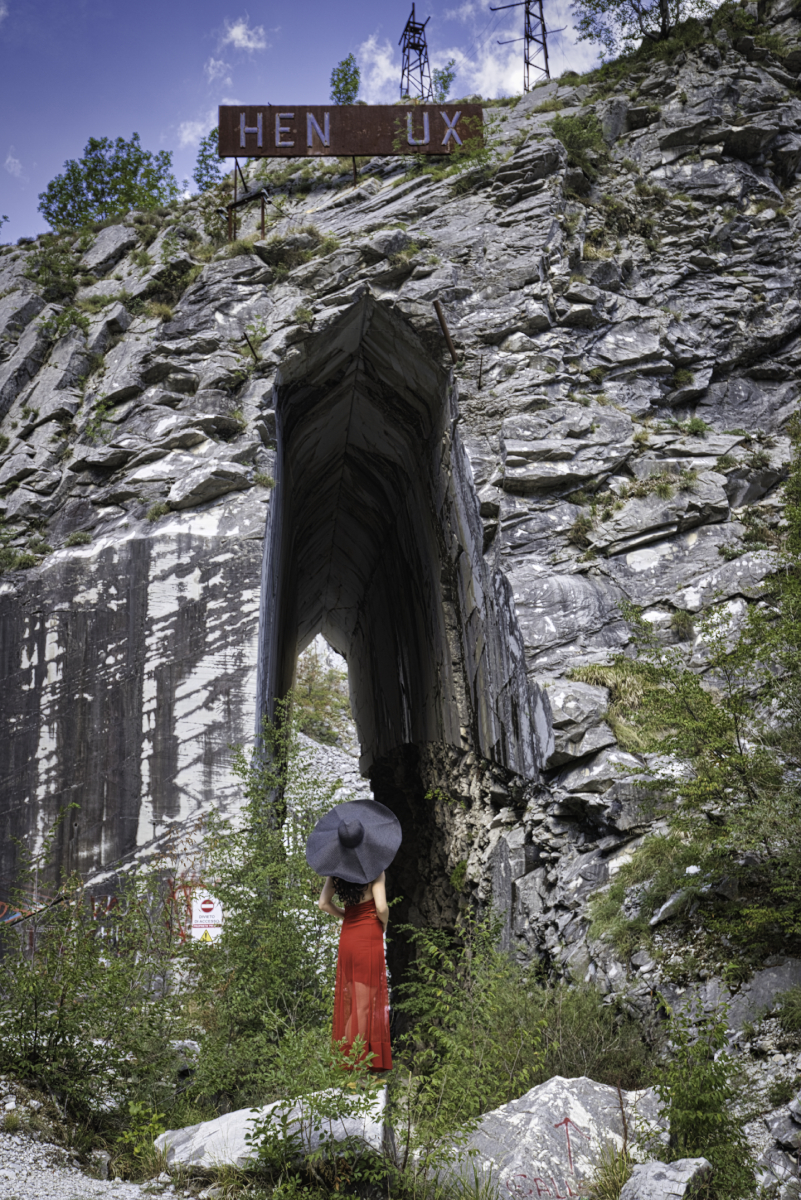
(355, 841)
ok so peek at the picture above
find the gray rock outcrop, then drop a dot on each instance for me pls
(182, 513)
(667, 1181)
(551, 1137)
(225, 1140)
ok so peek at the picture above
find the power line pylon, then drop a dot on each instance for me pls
(535, 39)
(415, 72)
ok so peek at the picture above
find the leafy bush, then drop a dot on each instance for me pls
(284, 257)
(112, 178)
(79, 537)
(53, 269)
(697, 1087)
(482, 1030)
(88, 1004)
(265, 995)
(790, 1010)
(623, 24)
(782, 1091)
(681, 622)
(580, 135)
(61, 323)
(157, 510)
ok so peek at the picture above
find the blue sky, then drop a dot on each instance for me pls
(74, 69)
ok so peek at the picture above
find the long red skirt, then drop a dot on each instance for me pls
(361, 1003)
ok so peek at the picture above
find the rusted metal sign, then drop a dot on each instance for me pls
(309, 131)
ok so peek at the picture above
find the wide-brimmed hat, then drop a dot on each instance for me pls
(355, 841)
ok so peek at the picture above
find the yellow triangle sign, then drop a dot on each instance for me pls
(205, 936)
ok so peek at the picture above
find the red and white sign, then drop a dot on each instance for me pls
(207, 916)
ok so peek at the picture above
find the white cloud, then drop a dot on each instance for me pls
(216, 68)
(3, 11)
(464, 12)
(379, 63)
(495, 70)
(14, 166)
(241, 36)
(190, 132)
(482, 66)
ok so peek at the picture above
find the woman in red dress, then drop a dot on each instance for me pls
(352, 846)
(361, 1001)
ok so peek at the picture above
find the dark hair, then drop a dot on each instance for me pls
(349, 893)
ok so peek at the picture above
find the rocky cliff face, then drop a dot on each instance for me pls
(630, 338)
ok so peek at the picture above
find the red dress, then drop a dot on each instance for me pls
(361, 1002)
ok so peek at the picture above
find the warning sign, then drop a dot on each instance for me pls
(207, 916)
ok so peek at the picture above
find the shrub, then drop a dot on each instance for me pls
(579, 135)
(89, 1011)
(303, 315)
(577, 533)
(552, 105)
(282, 257)
(159, 509)
(262, 479)
(156, 308)
(53, 269)
(696, 426)
(442, 79)
(790, 1010)
(781, 1091)
(61, 323)
(697, 1088)
(482, 1030)
(681, 622)
(265, 996)
(78, 537)
(613, 1168)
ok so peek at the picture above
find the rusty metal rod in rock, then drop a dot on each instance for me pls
(446, 332)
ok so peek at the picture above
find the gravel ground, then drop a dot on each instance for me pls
(34, 1170)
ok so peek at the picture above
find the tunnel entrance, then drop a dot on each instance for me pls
(375, 540)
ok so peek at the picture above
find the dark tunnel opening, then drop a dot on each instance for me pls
(374, 540)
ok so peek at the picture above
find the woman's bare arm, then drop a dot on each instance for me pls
(326, 901)
(380, 897)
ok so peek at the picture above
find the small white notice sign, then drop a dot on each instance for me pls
(207, 916)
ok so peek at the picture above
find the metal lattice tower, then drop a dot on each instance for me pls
(535, 39)
(415, 72)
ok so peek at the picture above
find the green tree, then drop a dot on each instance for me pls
(322, 705)
(111, 178)
(209, 171)
(620, 25)
(442, 78)
(345, 81)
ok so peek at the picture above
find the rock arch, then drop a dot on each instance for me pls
(374, 539)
